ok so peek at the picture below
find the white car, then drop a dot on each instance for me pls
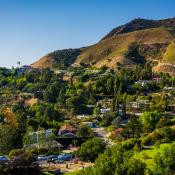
(41, 157)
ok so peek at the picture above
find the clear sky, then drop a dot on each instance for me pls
(30, 29)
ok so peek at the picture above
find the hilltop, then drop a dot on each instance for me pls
(140, 24)
(136, 42)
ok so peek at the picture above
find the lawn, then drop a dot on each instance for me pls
(148, 155)
(72, 173)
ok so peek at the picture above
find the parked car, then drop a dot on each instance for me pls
(55, 157)
(41, 157)
(3, 159)
(50, 157)
(59, 161)
(65, 157)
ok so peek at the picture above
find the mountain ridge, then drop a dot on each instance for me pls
(140, 24)
(147, 40)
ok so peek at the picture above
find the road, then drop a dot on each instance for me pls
(103, 134)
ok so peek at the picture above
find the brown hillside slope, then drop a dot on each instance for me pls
(167, 64)
(45, 62)
(58, 59)
(128, 48)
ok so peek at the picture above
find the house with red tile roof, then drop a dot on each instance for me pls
(118, 131)
(67, 130)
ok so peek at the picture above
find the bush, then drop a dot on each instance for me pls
(129, 144)
(164, 135)
(145, 156)
(41, 151)
(164, 162)
(15, 152)
(165, 122)
(2, 171)
(135, 167)
(22, 164)
(84, 131)
(116, 161)
(146, 140)
(157, 144)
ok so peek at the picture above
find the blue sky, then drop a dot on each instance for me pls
(30, 29)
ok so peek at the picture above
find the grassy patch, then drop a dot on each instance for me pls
(147, 156)
(72, 173)
(169, 56)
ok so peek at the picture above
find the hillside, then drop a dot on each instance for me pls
(59, 59)
(169, 56)
(129, 48)
(136, 42)
(140, 24)
(167, 64)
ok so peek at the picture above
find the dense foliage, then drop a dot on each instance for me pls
(128, 104)
(91, 149)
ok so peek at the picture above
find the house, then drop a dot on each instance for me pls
(35, 136)
(90, 124)
(125, 122)
(40, 138)
(167, 89)
(104, 103)
(171, 107)
(104, 110)
(23, 69)
(118, 132)
(138, 114)
(143, 82)
(133, 104)
(82, 116)
(67, 131)
(157, 79)
(90, 106)
(75, 65)
(138, 104)
(28, 68)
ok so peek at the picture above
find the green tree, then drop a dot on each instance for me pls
(7, 137)
(23, 164)
(91, 149)
(96, 111)
(107, 119)
(135, 167)
(110, 85)
(118, 161)
(84, 131)
(164, 162)
(133, 128)
(51, 92)
(149, 120)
